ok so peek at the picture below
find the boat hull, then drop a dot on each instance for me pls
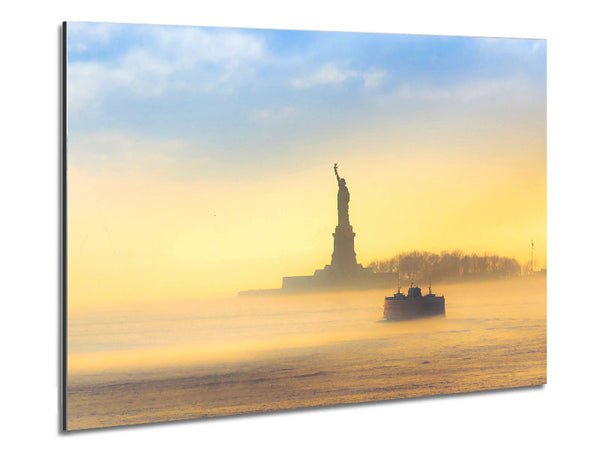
(406, 309)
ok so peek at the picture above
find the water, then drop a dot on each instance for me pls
(161, 362)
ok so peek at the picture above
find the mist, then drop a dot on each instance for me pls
(493, 336)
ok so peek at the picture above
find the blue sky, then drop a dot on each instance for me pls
(220, 94)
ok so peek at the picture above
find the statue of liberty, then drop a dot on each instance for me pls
(343, 198)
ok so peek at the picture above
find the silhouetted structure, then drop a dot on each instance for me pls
(343, 200)
(413, 305)
(343, 272)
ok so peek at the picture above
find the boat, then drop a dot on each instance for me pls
(414, 304)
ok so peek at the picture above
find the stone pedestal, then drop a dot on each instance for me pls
(343, 259)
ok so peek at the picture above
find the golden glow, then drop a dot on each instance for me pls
(134, 236)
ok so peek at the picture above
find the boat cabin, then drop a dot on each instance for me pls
(414, 292)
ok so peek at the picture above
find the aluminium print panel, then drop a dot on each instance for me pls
(260, 220)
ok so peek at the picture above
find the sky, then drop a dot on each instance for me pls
(200, 160)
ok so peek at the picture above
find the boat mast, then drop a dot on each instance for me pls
(398, 274)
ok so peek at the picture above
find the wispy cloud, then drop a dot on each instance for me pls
(145, 70)
(120, 154)
(373, 79)
(514, 89)
(519, 48)
(85, 35)
(277, 113)
(238, 93)
(190, 45)
(332, 74)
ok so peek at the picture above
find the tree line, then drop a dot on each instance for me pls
(419, 266)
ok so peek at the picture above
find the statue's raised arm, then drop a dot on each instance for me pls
(336, 172)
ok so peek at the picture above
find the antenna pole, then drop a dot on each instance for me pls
(532, 247)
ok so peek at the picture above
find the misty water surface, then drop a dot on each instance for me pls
(215, 357)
